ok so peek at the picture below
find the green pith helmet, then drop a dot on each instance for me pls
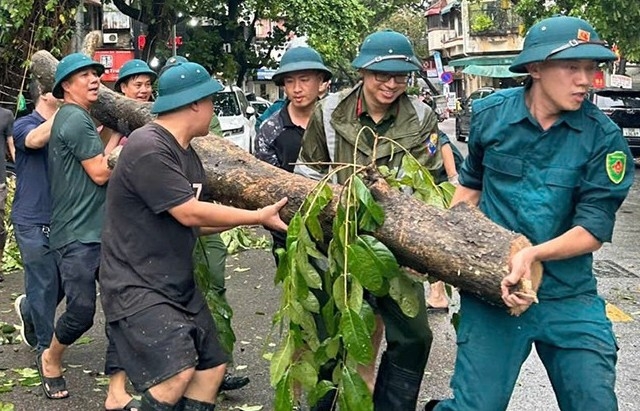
(172, 61)
(184, 84)
(69, 65)
(133, 67)
(561, 37)
(300, 59)
(387, 51)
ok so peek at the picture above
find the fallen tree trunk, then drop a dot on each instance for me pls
(459, 246)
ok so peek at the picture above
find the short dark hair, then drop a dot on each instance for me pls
(35, 90)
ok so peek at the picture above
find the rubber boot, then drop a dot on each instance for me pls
(190, 404)
(148, 403)
(396, 388)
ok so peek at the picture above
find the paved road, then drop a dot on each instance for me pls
(254, 299)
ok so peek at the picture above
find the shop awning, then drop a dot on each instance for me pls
(433, 11)
(504, 60)
(446, 9)
(495, 71)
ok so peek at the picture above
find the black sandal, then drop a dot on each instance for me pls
(51, 385)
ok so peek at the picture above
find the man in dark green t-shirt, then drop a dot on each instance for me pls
(78, 172)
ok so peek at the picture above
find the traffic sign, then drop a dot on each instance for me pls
(447, 77)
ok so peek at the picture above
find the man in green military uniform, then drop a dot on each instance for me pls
(380, 102)
(545, 162)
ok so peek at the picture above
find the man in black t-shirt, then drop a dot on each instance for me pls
(162, 328)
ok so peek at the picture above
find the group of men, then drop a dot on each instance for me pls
(542, 161)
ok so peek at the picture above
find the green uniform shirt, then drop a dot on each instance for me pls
(382, 126)
(543, 183)
(78, 202)
(332, 134)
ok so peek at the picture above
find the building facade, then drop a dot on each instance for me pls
(476, 42)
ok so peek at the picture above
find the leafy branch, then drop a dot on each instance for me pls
(326, 321)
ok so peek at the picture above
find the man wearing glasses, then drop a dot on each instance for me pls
(379, 102)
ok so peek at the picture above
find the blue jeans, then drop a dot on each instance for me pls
(78, 264)
(41, 280)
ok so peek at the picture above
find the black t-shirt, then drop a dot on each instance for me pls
(146, 253)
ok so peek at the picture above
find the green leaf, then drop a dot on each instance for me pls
(403, 291)
(305, 268)
(329, 316)
(355, 393)
(368, 316)
(314, 204)
(340, 293)
(447, 190)
(84, 340)
(6, 406)
(284, 394)
(314, 227)
(305, 374)
(310, 303)
(357, 339)
(294, 229)
(332, 347)
(366, 199)
(355, 296)
(283, 266)
(281, 360)
(369, 261)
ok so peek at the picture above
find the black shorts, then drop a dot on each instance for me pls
(161, 341)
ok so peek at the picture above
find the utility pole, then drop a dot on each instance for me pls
(174, 46)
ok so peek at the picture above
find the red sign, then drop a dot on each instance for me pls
(112, 60)
(598, 80)
(178, 42)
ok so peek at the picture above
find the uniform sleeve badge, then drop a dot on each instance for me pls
(616, 164)
(432, 144)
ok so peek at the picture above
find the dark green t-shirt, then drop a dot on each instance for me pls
(78, 202)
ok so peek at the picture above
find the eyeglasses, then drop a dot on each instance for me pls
(397, 77)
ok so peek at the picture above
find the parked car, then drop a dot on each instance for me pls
(463, 117)
(623, 108)
(237, 117)
(259, 104)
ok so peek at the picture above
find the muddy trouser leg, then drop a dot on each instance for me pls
(403, 363)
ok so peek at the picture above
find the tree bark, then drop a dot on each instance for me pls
(459, 246)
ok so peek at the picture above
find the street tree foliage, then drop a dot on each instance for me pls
(616, 21)
(27, 26)
(404, 16)
(223, 35)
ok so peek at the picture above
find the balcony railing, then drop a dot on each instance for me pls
(490, 19)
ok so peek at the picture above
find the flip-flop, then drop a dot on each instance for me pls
(133, 405)
(51, 385)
